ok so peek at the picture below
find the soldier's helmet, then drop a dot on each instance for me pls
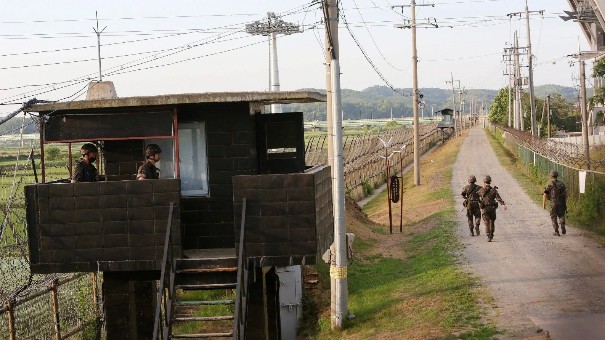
(152, 149)
(487, 179)
(472, 179)
(553, 173)
(88, 148)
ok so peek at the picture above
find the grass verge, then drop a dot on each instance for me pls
(409, 285)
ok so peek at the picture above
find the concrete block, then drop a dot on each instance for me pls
(87, 202)
(113, 201)
(166, 185)
(61, 203)
(140, 200)
(142, 213)
(113, 214)
(141, 240)
(59, 216)
(61, 190)
(86, 189)
(138, 187)
(90, 228)
(120, 227)
(87, 215)
(141, 227)
(115, 241)
(112, 188)
(54, 230)
(115, 254)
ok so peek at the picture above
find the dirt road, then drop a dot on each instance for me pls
(538, 281)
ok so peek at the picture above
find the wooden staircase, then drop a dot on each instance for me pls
(204, 297)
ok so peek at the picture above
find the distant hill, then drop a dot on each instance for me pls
(383, 102)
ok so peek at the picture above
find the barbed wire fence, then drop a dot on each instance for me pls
(540, 156)
(364, 165)
(36, 306)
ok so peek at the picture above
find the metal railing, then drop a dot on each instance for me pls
(241, 289)
(165, 294)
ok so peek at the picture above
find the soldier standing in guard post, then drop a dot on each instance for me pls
(148, 170)
(557, 193)
(489, 198)
(85, 171)
(471, 203)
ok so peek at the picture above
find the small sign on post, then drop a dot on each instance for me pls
(395, 189)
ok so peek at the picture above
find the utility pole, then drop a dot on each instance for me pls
(518, 105)
(99, 54)
(507, 57)
(338, 265)
(583, 113)
(548, 116)
(530, 64)
(455, 125)
(270, 28)
(416, 95)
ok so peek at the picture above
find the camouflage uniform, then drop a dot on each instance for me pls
(557, 193)
(488, 204)
(471, 203)
(85, 172)
(148, 171)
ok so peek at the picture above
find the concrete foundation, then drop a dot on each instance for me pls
(101, 90)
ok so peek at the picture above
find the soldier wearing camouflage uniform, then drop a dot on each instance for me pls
(85, 171)
(557, 193)
(471, 203)
(148, 170)
(489, 198)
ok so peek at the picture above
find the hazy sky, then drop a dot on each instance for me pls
(159, 47)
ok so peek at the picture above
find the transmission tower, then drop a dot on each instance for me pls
(271, 28)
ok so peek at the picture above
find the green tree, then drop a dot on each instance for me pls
(52, 153)
(498, 110)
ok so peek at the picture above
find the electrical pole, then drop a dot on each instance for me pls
(270, 28)
(99, 54)
(530, 64)
(416, 94)
(548, 116)
(338, 265)
(455, 125)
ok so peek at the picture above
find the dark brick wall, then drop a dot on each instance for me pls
(207, 222)
(107, 226)
(288, 216)
(123, 157)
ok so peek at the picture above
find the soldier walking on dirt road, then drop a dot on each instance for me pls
(489, 198)
(557, 193)
(471, 203)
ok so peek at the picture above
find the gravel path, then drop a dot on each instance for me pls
(538, 281)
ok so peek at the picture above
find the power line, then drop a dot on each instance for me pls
(368, 59)
(374, 42)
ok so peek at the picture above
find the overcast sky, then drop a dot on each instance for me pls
(49, 49)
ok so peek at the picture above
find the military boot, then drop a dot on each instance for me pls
(556, 232)
(488, 237)
(563, 229)
(471, 232)
(477, 230)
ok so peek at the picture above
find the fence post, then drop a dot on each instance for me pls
(11, 320)
(55, 309)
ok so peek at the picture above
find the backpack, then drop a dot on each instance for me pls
(558, 193)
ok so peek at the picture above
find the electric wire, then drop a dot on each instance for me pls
(375, 42)
(368, 59)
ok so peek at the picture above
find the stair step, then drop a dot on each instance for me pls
(205, 303)
(207, 286)
(206, 270)
(204, 318)
(203, 335)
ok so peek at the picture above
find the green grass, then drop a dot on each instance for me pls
(423, 294)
